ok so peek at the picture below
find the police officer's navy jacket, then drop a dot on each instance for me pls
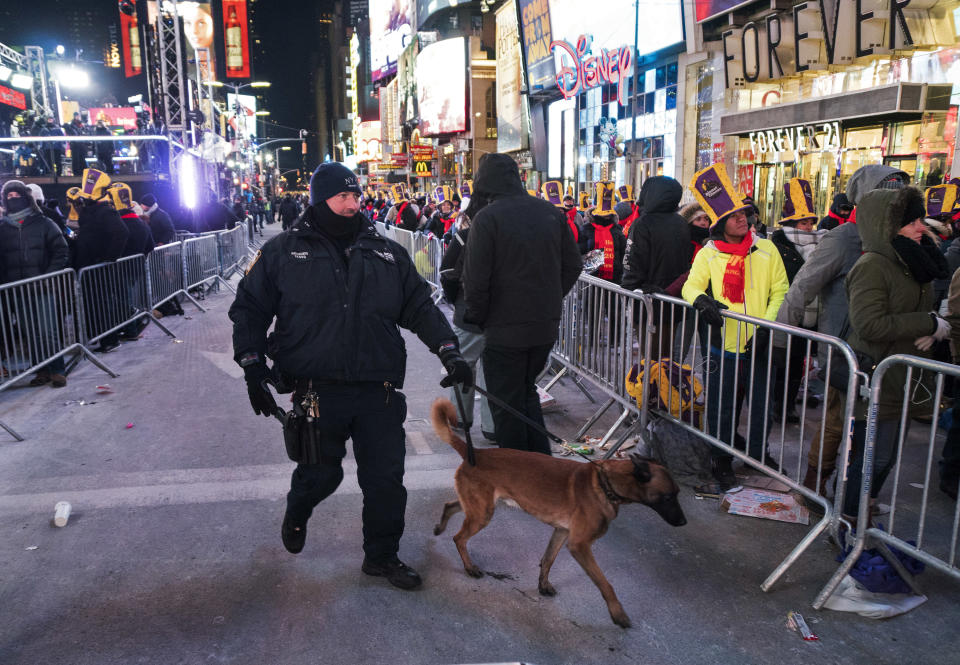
(337, 317)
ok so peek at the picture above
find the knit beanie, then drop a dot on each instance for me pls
(36, 191)
(330, 179)
(148, 199)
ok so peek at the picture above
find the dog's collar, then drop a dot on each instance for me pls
(607, 487)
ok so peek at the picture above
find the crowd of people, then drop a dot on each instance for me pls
(99, 222)
(879, 271)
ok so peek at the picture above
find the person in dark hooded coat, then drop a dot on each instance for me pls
(838, 214)
(519, 264)
(658, 247)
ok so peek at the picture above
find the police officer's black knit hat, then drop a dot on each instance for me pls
(330, 179)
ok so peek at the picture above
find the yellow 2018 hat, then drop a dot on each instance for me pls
(605, 199)
(715, 193)
(797, 201)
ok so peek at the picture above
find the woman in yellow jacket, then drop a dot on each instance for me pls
(735, 270)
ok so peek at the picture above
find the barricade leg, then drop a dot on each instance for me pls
(593, 419)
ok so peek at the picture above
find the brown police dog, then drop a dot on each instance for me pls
(568, 495)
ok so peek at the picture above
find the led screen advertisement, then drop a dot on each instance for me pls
(235, 38)
(242, 115)
(441, 87)
(543, 22)
(426, 8)
(710, 8)
(390, 32)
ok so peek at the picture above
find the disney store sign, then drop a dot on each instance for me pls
(580, 70)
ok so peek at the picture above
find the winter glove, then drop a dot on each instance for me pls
(258, 377)
(709, 309)
(924, 343)
(942, 330)
(458, 371)
(652, 289)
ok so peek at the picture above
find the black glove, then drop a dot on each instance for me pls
(458, 371)
(258, 377)
(652, 289)
(709, 309)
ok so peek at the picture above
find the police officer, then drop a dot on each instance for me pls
(339, 292)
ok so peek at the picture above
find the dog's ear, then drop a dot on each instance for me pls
(641, 469)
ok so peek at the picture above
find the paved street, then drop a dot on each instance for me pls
(173, 553)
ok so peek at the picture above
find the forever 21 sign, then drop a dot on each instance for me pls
(802, 138)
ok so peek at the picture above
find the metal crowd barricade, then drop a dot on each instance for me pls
(233, 251)
(38, 323)
(597, 341)
(114, 295)
(681, 343)
(427, 254)
(201, 263)
(165, 275)
(931, 521)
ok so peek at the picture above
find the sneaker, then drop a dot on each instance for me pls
(293, 536)
(396, 571)
(58, 380)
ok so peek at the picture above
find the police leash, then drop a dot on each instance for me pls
(471, 456)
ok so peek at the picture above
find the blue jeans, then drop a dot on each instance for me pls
(725, 402)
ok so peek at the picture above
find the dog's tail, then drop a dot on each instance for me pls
(443, 414)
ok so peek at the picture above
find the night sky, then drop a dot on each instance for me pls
(287, 55)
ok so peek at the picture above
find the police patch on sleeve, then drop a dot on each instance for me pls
(255, 259)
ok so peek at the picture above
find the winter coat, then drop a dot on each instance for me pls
(161, 227)
(436, 225)
(586, 241)
(520, 262)
(337, 318)
(54, 215)
(139, 240)
(824, 271)
(288, 212)
(34, 247)
(766, 285)
(658, 248)
(953, 316)
(216, 217)
(451, 273)
(102, 235)
(889, 309)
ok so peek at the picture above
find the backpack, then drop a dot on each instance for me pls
(674, 389)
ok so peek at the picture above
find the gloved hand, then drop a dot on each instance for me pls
(943, 328)
(258, 377)
(652, 289)
(458, 371)
(709, 309)
(924, 343)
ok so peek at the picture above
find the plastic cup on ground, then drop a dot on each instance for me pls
(62, 513)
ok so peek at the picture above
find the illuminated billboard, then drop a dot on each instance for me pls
(710, 8)
(441, 87)
(390, 32)
(543, 23)
(242, 114)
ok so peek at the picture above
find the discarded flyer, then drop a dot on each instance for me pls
(767, 504)
(796, 622)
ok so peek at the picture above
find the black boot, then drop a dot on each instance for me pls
(396, 571)
(294, 536)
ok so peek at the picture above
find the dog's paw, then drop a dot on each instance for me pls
(474, 572)
(547, 590)
(621, 619)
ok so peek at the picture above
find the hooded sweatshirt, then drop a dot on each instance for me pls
(520, 262)
(658, 247)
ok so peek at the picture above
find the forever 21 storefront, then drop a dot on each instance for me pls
(865, 92)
